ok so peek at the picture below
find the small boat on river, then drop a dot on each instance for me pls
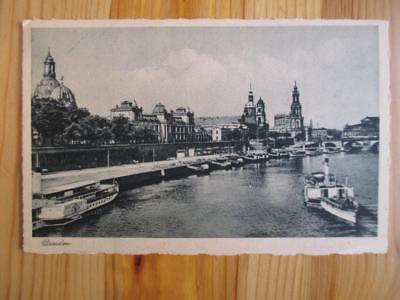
(199, 170)
(250, 158)
(223, 164)
(274, 154)
(283, 154)
(331, 150)
(354, 147)
(313, 152)
(323, 191)
(297, 153)
(237, 162)
(255, 157)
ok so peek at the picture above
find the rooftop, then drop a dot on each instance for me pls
(219, 120)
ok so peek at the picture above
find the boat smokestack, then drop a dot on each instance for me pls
(326, 170)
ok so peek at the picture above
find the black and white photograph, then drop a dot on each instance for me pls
(205, 136)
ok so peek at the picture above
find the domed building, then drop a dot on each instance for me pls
(63, 94)
(159, 108)
(50, 88)
(127, 109)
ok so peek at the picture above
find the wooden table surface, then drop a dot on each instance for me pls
(28, 276)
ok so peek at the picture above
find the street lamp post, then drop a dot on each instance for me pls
(108, 157)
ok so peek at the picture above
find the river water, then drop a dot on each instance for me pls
(256, 200)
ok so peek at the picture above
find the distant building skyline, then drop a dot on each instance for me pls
(209, 69)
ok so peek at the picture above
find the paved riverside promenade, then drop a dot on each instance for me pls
(104, 173)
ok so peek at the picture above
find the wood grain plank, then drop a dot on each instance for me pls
(223, 9)
(356, 9)
(237, 9)
(28, 276)
(260, 9)
(314, 9)
(290, 9)
(193, 9)
(282, 11)
(249, 9)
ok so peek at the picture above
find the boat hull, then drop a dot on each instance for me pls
(199, 170)
(331, 151)
(236, 163)
(255, 159)
(350, 216)
(56, 222)
(297, 155)
(273, 156)
(225, 165)
(314, 153)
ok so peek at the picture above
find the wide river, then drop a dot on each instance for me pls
(252, 201)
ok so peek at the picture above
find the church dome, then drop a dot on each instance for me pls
(45, 88)
(260, 102)
(159, 109)
(64, 94)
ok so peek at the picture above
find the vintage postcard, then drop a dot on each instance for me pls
(202, 136)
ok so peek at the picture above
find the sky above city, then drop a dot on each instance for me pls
(209, 69)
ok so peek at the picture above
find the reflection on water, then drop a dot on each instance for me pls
(253, 201)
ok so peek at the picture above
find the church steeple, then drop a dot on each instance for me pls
(295, 108)
(295, 93)
(49, 66)
(251, 96)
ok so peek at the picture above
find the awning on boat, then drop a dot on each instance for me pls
(67, 187)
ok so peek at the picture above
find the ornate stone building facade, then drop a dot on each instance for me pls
(368, 128)
(127, 109)
(169, 127)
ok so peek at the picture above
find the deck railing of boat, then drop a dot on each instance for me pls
(81, 195)
(337, 205)
(103, 195)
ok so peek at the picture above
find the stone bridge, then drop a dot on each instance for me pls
(368, 145)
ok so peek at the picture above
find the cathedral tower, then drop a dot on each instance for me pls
(249, 114)
(260, 112)
(296, 119)
(295, 108)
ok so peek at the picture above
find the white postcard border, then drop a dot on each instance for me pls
(216, 246)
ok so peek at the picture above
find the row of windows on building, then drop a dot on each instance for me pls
(367, 128)
(168, 126)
